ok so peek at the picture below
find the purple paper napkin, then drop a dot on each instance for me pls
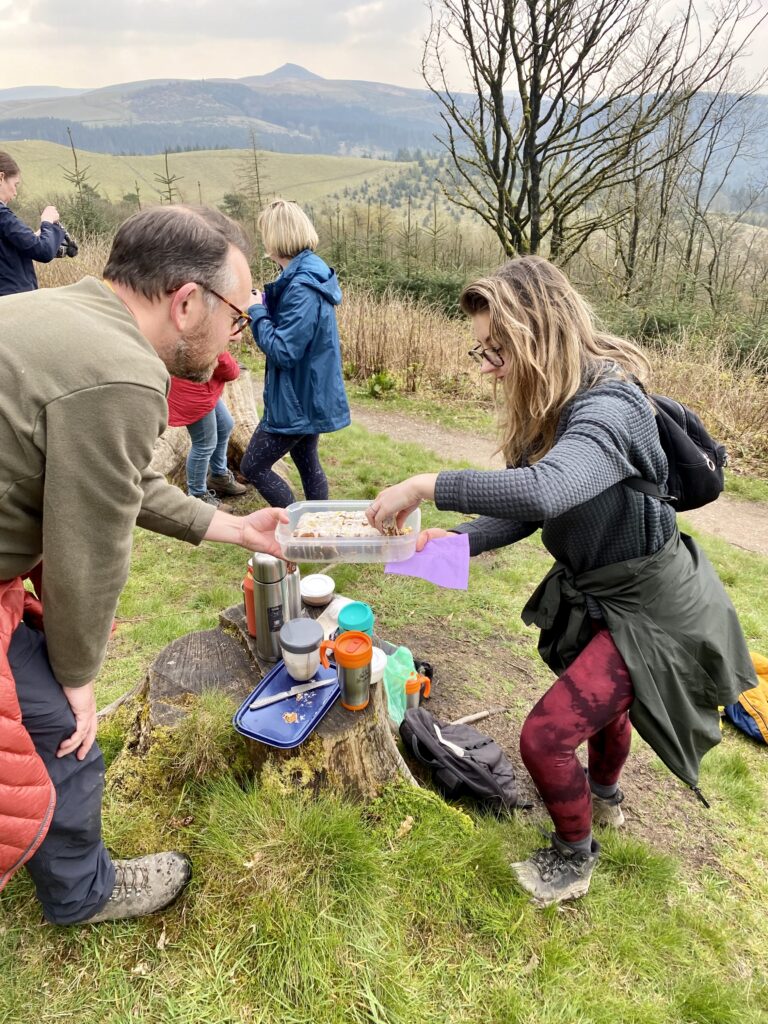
(444, 561)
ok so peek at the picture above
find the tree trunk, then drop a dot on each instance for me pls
(239, 399)
(170, 453)
(353, 752)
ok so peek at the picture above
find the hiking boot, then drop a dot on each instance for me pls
(556, 873)
(226, 485)
(608, 811)
(210, 499)
(143, 886)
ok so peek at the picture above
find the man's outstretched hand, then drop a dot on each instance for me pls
(255, 532)
(259, 530)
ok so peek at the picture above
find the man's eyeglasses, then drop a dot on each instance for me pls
(493, 355)
(240, 321)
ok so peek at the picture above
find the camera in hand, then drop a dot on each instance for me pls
(68, 246)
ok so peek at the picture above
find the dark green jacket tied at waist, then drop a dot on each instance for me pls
(677, 631)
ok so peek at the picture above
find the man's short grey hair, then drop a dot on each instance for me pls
(158, 250)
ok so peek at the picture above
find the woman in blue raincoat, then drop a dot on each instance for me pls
(295, 327)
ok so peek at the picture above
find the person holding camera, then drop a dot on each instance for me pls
(20, 246)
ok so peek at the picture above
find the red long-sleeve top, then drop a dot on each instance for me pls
(188, 401)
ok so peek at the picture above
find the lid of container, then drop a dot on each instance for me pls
(317, 585)
(287, 723)
(300, 636)
(357, 615)
(352, 649)
(266, 568)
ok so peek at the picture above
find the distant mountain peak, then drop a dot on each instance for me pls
(290, 71)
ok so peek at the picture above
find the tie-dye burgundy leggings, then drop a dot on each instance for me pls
(590, 701)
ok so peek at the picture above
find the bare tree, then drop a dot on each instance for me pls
(169, 192)
(569, 100)
(251, 179)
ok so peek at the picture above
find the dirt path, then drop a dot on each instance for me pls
(741, 523)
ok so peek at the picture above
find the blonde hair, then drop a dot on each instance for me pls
(286, 230)
(551, 346)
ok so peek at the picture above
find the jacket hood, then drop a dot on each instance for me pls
(315, 273)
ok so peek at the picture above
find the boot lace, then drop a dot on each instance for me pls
(130, 879)
(551, 863)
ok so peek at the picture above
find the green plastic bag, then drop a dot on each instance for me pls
(399, 667)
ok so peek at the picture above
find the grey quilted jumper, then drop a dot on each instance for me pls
(588, 519)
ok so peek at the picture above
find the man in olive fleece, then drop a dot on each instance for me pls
(84, 383)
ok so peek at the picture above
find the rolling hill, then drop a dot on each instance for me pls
(291, 109)
(206, 175)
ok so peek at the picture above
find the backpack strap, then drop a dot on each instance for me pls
(637, 483)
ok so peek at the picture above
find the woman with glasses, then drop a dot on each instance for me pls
(201, 409)
(633, 617)
(295, 327)
(20, 246)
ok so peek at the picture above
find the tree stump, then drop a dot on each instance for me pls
(172, 447)
(353, 752)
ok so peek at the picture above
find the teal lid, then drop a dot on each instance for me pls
(357, 615)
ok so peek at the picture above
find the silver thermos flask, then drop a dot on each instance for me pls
(291, 592)
(268, 603)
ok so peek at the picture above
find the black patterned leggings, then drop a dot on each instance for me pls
(590, 701)
(264, 450)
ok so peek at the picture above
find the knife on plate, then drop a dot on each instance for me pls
(294, 691)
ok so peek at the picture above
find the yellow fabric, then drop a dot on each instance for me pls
(755, 701)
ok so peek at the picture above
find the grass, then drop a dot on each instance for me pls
(315, 911)
(205, 175)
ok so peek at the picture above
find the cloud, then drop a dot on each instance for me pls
(258, 21)
(91, 43)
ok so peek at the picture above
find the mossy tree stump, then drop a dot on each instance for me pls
(352, 752)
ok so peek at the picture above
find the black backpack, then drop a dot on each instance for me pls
(695, 459)
(462, 760)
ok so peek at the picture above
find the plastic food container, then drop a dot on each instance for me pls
(378, 664)
(317, 589)
(344, 549)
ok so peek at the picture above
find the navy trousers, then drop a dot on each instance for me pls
(72, 871)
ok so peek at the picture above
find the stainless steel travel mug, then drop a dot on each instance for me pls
(268, 575)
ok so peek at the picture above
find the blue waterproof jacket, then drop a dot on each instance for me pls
(297, 332)
(19, 246)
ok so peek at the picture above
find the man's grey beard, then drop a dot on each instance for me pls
(181, 364)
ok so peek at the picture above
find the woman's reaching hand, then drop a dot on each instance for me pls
(431, 534)
(394, 504)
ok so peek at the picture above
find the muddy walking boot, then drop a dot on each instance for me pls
(226, 486)
(556, 873)
(607, 811)
(143, 886)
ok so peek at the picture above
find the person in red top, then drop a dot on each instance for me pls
(200, 408)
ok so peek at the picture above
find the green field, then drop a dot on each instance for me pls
(203, 174)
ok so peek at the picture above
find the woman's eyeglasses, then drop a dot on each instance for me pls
(492, 355)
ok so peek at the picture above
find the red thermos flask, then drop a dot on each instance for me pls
(250, 608)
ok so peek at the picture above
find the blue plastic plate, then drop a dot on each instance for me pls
(267, 725)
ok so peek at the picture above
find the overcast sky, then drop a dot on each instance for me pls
(90, 43)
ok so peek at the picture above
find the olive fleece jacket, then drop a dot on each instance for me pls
(83, 402)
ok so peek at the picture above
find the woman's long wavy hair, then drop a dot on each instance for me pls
(551, 345)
